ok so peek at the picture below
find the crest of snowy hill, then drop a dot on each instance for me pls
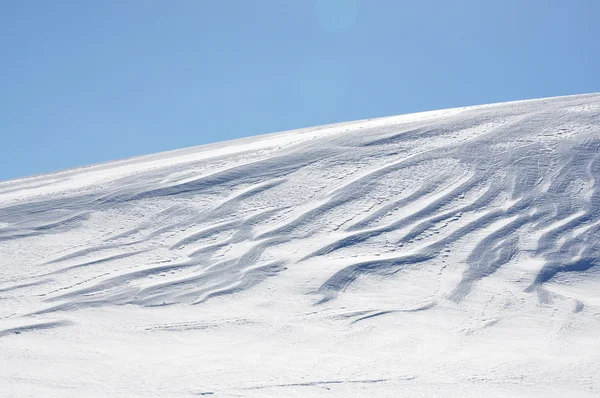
(442, 230)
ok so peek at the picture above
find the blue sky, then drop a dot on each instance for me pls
(85, 81)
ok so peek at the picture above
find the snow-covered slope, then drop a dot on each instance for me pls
(447, 253)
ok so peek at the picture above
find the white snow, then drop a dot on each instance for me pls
(446, 253)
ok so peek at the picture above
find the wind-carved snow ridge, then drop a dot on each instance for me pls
(486, 175)
(389, 216)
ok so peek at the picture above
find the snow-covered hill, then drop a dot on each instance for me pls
(447, 253)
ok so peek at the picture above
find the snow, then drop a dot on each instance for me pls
(446, 253)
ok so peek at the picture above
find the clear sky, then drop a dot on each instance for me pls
(85, 81)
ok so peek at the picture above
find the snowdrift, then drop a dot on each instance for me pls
(439, 253)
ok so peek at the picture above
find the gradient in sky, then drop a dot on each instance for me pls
(84, 81)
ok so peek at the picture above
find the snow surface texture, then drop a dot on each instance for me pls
(448, 253)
